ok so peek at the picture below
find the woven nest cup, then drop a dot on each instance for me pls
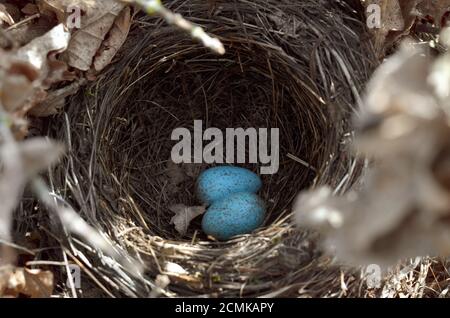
(293, 65)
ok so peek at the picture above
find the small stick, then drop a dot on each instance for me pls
(303, 162)
(24, 21)
(152, 7)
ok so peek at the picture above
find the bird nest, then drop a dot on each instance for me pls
(293, 65)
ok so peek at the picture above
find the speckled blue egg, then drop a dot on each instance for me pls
(239, 213)
(219, 182)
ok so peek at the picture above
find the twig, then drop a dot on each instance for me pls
(303, 162)
(24, 21)
(17, 247)
(77, 225)
(153, 7)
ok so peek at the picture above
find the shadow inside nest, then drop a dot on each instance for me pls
(296, 66)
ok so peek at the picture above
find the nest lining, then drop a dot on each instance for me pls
(292, 65)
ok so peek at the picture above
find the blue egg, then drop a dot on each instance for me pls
(239, 213)
(219, 182)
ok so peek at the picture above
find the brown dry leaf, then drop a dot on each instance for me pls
(34, 283)
(25, 71)
(57, 71)
(409, 13)
(13, 10)
(30, 9)
(116, 38)
(24, 33)
(397, 18)
(55, 100)
(184, 215)
(16, 85)
(96, 22)
(434, 9)
(36, 52)
(403, 207)
(5, 17)
(32, 69)
(19, 127)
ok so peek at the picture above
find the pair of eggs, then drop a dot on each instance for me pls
(234, 208)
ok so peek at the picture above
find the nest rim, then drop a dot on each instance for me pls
(223, 264)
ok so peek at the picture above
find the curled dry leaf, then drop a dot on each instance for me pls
(436, 10)
(28, 72)
(97, 19)
(55, 100)
(34, 283)
(5, 16)
(30, 9)
(397, 18)
(35, 52)
(39, 154)
(26, 32)
(16, 83)
(29, 67)
(57, 71)
(115, 39)
(184, 215)
(403, 209)
(20, 162)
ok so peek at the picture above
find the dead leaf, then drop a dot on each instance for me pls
(32, 69)
(38, 154)
(30, 9)
(17, 79)
(5, 17)
(16, 87)
(36, 52)
(57, 71)
(24, 33)
(434, 9)
(402, 209)
(19, 127)
(21, 161)
(393, 19)
(184, 215)
(97, 19)
(34, 283)
(175, 174)
(55, 100)
(115, 40)
(397, 18)
(87, 41)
